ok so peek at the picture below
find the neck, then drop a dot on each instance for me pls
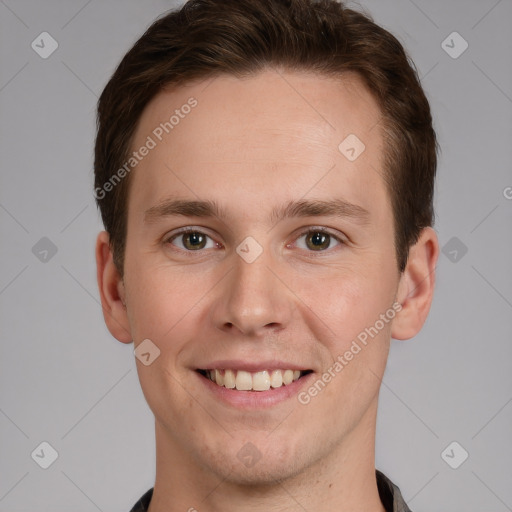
(345, 481)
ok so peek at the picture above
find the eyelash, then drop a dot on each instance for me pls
(312, 229)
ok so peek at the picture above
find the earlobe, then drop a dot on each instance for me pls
(416, 287)
(112, 292)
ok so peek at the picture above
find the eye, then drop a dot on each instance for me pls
(318, 240)
(190, 239)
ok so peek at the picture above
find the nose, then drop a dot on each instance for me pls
(252, 299)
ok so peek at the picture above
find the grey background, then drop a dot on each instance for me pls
(66, 381)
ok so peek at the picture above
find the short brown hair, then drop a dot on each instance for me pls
(206, 38)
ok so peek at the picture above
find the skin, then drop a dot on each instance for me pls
(253, 144)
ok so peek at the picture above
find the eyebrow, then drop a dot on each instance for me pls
(301, 208)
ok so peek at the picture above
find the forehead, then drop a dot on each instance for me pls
(270, 136)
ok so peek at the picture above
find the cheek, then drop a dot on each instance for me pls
(163, 308)
(160, 300)
(357, 346)
(345, 302)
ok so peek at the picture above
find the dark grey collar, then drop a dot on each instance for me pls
(389, 493)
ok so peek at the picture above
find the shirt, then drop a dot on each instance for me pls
(389, 493)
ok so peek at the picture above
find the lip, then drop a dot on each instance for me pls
(239, 364)
(247, 400)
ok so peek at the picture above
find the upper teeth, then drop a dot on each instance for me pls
(249, 381)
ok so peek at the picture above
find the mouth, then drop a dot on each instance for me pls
(241, 380)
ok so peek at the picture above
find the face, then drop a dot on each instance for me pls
(294, 265)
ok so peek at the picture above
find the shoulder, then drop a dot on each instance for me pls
(390, 494)
(143, 504)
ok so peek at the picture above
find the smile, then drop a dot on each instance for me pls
(242, 380)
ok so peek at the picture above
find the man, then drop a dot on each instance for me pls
(265, 174)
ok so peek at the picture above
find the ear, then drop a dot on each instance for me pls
(416, 286)
(112, 291)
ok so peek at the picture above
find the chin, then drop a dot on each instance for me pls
(251, 467)
(262, 475)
